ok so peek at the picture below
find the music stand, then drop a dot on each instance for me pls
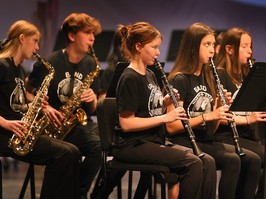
(252, 94)
(120, 67)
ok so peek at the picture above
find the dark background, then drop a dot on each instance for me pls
(171, 17)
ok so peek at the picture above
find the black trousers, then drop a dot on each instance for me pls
(86, 138)
(256, 147)
(61, 176)
(186, 167)
(240, 176)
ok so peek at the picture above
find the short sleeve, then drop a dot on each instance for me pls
(127, 94)
(180, 82)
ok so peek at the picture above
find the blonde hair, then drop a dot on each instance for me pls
(11, 43)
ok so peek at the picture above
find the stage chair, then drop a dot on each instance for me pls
(106, 118)
(28, 178)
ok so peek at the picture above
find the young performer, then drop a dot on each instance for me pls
(192, 77)
(141, 115)
(72, 66)
(233, 66)
(61, 159)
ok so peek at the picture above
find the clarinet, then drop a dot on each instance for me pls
(185, 123)
(250, 63)
(232, 124)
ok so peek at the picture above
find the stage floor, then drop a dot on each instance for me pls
(13, 178)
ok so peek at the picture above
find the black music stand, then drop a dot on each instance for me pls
(252, 96)
(120, 67)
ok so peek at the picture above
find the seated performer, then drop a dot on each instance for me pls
(61, 159)
(140, 107)
(73, 65)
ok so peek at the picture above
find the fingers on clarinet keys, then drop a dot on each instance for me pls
(228, 118)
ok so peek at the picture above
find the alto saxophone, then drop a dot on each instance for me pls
(23, 145)
(70, 111)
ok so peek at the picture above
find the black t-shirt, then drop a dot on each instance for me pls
(65, 72)
(226, 82)
(197, 99)
(140, 94)
(12, 90)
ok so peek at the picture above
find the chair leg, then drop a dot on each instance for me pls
(150, 193)
(130, 179)
(1, 180)
(29, 177)
(105, 184)
(143, 185)
(154, 190)
(119, 190)
(163, 190)
(32, 182)
(159, 177)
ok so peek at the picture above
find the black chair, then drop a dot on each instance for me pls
(106, 118)
(30, 177)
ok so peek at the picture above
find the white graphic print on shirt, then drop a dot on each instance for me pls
(17, 101)
(201, 103)
(155, 102)
(63, 89)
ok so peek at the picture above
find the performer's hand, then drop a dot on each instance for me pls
(222, 113)
(167, 99)
(45, 101)
(175, 114)
(228, 98)
(256, 117)
(88, 96)
(54, 115)
(15, 126)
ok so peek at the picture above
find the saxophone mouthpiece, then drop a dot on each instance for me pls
(37, 56)
(91, 50)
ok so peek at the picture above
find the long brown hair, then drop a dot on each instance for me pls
(227, 62)
(187, 58)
